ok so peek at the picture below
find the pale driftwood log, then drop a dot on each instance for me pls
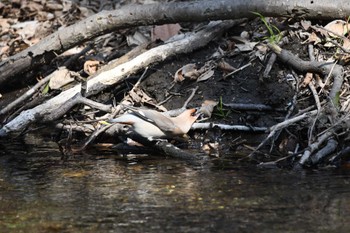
(59, 105)
(327, 150)
(135, 15)
(229, 127)
(315, 146)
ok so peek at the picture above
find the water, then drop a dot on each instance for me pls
(105, 192)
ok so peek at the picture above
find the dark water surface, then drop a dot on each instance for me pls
(104, 192)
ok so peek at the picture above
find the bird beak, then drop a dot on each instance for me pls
(196, 113)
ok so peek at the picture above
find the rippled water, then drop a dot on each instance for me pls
(105, 192)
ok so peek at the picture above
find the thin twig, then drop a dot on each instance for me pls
(282, 125)
(328, 76)
(76, 56)
(318, 105)
(229, 127)
(315, 95)
(190, 97)
(238, 70)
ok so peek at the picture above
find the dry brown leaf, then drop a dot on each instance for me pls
(17, 45)
(307, 79)
(225, 67)
(207, 107)
(339, 27)
(4, 25)
(205, 76)
(26, 29)
(212, 149)
(305, 24)
(61, 77)
(187, 71)
(32, 7)
(247, 47)
(313, 38)
(4, 50)
(243, 44)
(52, 6)
(91, 66)
(164, 32)
(346, 43)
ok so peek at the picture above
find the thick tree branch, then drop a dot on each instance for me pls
(324, 68)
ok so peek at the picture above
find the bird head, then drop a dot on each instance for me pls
(185, 120)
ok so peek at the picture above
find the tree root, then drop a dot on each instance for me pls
(314, 154)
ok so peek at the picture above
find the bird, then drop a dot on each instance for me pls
(153, 125)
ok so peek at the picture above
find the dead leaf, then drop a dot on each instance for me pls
(307, 79)
(339, 27)
(225, 67)
(207, 107)
(205, 76)
(52, 6)
(187, 71)
(261, 51)
(243, 44)
(91, 66)
(246, 47)
(137, 39)
(4, 50)
(319, 81)
(313, 38)
(305, 24)
(32, 6)
(60, 77)
(4, 25)
(26, 29)
(346, 43)
(164, 32)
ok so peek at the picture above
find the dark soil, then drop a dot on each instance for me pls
(246, 86)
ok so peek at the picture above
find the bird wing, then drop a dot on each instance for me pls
(156, 118)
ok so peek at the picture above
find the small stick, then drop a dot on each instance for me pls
(282, 125)
(269, 65)
(237, 70)
(229, 127)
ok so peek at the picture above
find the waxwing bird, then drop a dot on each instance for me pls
(152, 125)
